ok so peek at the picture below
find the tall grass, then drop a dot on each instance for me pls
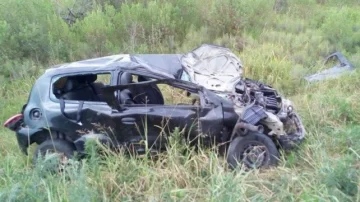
(277, 48)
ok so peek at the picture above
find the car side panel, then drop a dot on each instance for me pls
(137, 123)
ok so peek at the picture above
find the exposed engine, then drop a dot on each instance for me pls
(248, 91)
(260, 105)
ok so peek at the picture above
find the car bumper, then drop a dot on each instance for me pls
(289, 142)
(23, 136)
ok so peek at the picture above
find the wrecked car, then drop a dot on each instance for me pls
(124, 101)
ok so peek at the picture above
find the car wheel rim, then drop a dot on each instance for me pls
(254, 155)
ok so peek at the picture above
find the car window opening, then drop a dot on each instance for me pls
(85, 87)
(159, 94)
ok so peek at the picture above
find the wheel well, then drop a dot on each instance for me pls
(267, 130)
(46, 134)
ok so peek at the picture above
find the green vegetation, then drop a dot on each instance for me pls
(278, 45)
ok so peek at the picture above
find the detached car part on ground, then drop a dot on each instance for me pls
(344, 66)
(69, 105)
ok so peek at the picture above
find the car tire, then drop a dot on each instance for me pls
(261, 146)
(64, 148)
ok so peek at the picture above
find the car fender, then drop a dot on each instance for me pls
(25, 138)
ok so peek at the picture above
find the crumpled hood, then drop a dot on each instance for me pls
(214, 67)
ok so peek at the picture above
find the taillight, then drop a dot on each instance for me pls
(13, 120)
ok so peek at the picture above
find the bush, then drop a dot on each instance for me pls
(27, 36)
(238, 16)
(95, 33)
(341, 27)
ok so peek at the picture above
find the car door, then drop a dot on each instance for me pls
(78, 116)
(153, 121)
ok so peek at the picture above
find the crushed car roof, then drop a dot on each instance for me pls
(215, 67)
(167, 65)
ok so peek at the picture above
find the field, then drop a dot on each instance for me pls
(279, 43)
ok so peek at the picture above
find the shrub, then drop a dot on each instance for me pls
(95, 33)
(27, 35)
(237, 16)
(341, 27)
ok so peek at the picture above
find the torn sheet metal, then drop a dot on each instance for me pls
(334, 72)
(214, 67)
(220, 70)
(169, 63)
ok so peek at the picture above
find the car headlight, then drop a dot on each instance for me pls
(287, 106)
(290, 109)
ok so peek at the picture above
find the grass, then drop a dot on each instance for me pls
(325, 168)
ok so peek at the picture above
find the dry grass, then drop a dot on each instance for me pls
(325, 168)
